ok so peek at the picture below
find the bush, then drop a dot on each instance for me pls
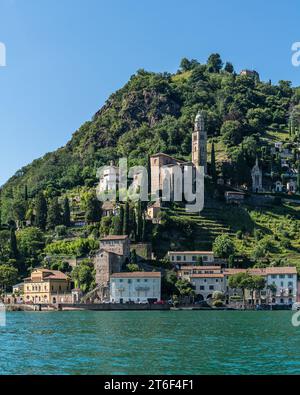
(218, 303)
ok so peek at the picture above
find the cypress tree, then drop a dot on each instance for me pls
(298, 179)
(25, 193)
(126, 220)
(13, 254)
(66, 217)
(139, 221)
(213, 163)
(132, 222)
(144, 223)
(54, 215)
(121, 216)
(93, 210)
(41, 211)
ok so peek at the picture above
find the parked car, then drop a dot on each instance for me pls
(160, 302)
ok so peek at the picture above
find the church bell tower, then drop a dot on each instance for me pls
(199, 143)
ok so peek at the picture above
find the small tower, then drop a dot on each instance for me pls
(256, 175)
(199, 143)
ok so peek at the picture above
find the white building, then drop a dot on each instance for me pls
(285, 281)
(191, 257)
(206, 284)
(283, 278)
(135, 286)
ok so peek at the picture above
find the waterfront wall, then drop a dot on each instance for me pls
(113, 306)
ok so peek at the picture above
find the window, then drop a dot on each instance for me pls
(290, 276)
(184, 257)
(178, 258)
(194, 258)
(281, 276)
(274, 276)
(211, 287)
(290, 283)
(281, 301)
(202, 287)
(145, 280)
(281, 283)
(138, 280)
(205, 258)
(129, 281)
(121, 280)
(217, 280)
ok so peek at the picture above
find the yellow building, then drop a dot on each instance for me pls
(47, 286)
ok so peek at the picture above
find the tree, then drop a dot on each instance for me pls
(14, 253)
(66, 216)
(184, 288)
(231, 132)
(229, 67)
(133, 257)
(8, 276)
(93, 209)
(54, 215)
(259, 284)
(298, 180)
(139, 221)
(214, 63)
(223, 246)
(41, 211)
(240, 281)
(83, 276)
(213, 164)
(126, 220)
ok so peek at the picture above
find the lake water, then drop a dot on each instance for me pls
(161, 342)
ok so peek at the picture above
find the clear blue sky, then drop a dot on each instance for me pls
(65, 57)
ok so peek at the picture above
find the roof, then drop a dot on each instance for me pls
(208, 275)
(107, 205)
(191, 252)
(168, 156)
(136, 275)
(114, 237)
(50, 274)
(195, 267)
(264, 271)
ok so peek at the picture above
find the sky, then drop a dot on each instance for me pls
(65, 57)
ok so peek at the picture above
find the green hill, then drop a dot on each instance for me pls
(154, 112)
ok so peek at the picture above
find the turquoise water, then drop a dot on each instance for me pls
(170, 342)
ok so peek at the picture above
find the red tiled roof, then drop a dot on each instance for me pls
(264, 271)
(191, 252)
(114, 237)
(136, 274)
(195, 267)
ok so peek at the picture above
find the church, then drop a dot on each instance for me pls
(161, 161)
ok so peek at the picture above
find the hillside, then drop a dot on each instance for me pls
(154, 112)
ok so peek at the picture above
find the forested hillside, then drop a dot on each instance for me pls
(154, 112)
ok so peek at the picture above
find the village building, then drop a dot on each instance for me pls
(284, 279)
(186, 272)
(137, 287)
(256, 174)
(191, 257)
(206, 284)
(113, 253)
(47, 286)
(164, 168)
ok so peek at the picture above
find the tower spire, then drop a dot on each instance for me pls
(199, 142)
